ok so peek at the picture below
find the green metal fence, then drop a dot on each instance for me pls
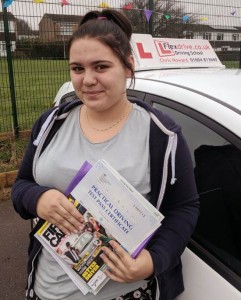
(34, 35)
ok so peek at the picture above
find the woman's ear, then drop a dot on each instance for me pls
(128, 71)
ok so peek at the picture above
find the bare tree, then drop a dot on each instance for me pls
(168, 18)
(22, 27)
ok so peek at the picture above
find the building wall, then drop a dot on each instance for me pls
(47, 30)
(12, 31)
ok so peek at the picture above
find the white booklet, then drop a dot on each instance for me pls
(112, 209)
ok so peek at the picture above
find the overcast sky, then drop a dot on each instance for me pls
(217, 12)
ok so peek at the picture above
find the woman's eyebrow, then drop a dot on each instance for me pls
(96, 62)
(74, 63)
(100, 61)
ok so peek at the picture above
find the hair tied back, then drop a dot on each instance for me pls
(101, 18)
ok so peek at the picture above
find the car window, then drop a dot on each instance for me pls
(217, 168)
(196, 133)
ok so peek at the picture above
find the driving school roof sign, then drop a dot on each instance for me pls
(165, 53)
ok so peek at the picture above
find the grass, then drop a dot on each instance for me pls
(231, 64)
(36, 83)
(11, 153)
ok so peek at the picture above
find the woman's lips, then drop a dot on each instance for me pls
(92, 92)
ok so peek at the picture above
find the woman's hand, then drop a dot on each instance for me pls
(123, 268)
(54, 207)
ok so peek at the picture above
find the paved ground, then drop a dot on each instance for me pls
(13, 252)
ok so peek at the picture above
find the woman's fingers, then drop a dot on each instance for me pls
(70, 210)
(65, 221)
(55, 208)
(123, 268)
(114, 270)
(119, 263)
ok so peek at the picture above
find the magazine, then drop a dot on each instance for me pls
(112, 209)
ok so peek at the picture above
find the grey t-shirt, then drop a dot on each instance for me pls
(127, 152)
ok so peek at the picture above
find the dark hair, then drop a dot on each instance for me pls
(112, 29)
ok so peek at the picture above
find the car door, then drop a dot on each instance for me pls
(212, 260)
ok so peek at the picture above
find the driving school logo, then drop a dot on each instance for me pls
(164, 48)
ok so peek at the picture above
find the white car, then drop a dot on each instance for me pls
(206, 102)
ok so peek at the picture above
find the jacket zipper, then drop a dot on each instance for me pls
(32, 270)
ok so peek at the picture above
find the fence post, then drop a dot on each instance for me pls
(151, 8)
(240, 56)
(10, 70)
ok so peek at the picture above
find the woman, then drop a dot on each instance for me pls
(137, 140)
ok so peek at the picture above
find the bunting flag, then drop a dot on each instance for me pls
(64, 2)
(233, 13)
(7, 3)
(38, 1)
(128, 6)
(167, 17)
(104, 5)
(204, 19)
(185, 18)
(148, 14)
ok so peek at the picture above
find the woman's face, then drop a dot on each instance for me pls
(98, 76)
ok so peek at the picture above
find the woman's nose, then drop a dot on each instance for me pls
(89, 78)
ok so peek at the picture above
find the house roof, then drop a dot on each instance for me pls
(179, 27)
(63, 18)
(221, 28)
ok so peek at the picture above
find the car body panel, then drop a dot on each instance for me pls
(212, 83)
(202, 282)
(189, 90)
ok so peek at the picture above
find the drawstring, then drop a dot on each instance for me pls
(170, 151)
(173, 159)
(173, 146)
(44, 126)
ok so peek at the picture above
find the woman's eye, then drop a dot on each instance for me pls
(77, 69)
(101, 67)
